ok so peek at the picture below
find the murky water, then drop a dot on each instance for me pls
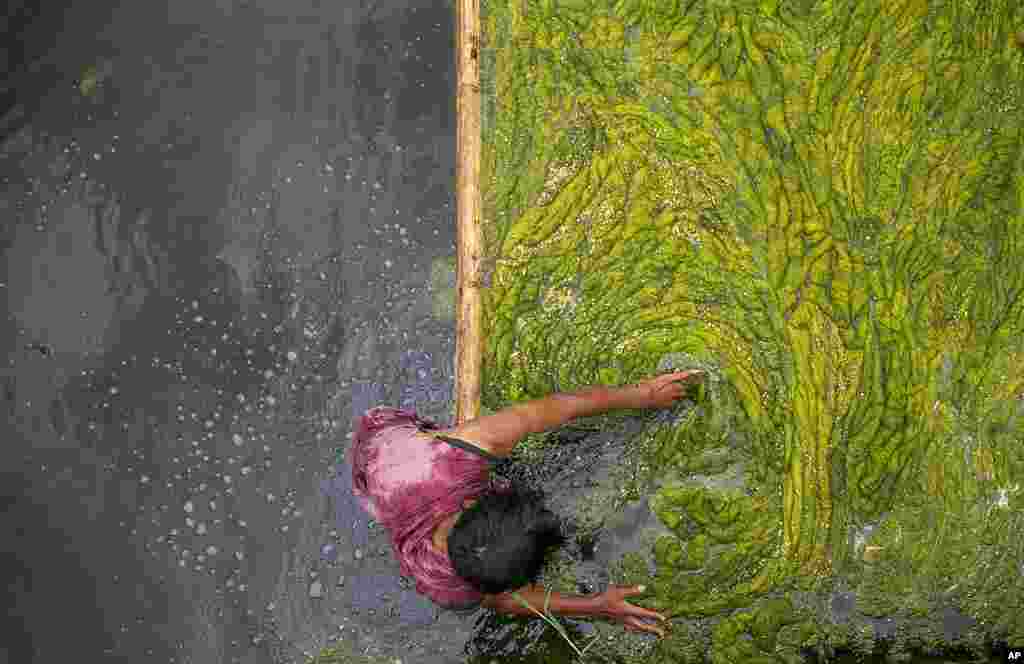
(221, 223)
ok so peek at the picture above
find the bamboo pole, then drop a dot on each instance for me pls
(468, 339)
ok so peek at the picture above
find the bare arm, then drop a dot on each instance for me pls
(563, 605)
(501, 431)
(610, 604)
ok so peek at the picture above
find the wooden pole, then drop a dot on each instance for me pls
(468, 339)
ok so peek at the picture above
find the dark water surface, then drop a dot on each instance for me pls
(216, 217)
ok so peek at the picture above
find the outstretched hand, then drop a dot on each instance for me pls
(613, 605)
(663, 391)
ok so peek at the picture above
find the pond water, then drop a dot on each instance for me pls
(208, 209)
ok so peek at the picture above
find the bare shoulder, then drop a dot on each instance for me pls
(461, 433)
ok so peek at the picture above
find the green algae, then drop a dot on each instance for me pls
(442, 289)
(89, 81)
(821, 203)
(93, 77)
(752, 635)
(342, 652)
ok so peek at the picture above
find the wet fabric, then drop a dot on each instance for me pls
(409, 484)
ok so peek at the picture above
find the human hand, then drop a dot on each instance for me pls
(612, 604)
(663, 391)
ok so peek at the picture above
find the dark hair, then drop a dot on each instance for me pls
(499, 544)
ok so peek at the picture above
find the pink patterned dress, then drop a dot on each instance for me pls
(409, 483)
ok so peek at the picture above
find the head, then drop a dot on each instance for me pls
(499, 543)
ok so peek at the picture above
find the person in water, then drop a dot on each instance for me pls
(470, 540)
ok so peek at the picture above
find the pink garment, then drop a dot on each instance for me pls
(409, 484)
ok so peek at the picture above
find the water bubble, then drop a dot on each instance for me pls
(189, 506)
(237, 439)
(211, 550)
(201, 529)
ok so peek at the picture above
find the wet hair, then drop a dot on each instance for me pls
(500, 543)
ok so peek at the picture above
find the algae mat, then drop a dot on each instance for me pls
(821, 202)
